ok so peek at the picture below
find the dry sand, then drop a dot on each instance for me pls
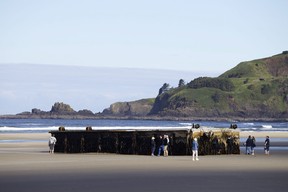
(27, 166)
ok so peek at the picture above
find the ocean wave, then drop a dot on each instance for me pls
(53, 128)
(126, 128)
(267, 126)
(248, 129)
(251, 124)
(45, 126)
(264, 129)
(8, 129)
(186, 124)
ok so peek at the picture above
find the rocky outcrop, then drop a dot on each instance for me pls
(85, 112)
(134, 108)
(61, 108)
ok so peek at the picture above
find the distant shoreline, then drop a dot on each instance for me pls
(167, 118)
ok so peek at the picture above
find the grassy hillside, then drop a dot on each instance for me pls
(252, 89)
(275, 66)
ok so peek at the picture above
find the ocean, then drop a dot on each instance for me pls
(46, 125)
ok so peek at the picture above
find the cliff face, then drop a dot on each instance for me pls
(134, 108)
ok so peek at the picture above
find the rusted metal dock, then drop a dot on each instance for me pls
(138, 142)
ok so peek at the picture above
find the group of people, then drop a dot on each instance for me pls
(163, 143)
(251, 144)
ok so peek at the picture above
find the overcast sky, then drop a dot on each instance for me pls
(186, 37)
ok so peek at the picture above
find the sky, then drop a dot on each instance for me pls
(28, 86)
(188, 37)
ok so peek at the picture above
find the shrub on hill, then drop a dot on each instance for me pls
(223, 84)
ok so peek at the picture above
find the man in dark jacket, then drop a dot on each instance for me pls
(267, 145)
(249, 143)
(229, 143)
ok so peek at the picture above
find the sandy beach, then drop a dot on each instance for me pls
(27, 166)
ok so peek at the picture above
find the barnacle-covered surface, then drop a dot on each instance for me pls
(139, 141)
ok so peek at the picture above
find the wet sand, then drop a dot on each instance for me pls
(27, 166)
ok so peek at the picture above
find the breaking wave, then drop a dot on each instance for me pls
(46, 125)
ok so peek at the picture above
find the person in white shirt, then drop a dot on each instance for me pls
(51, 143)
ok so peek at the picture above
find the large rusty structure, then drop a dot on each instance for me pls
(139, 141)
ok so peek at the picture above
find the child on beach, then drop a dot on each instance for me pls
(51, 143)
(195, 150)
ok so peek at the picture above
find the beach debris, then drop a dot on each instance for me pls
(139, 141)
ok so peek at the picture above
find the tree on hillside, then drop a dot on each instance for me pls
(219, 83)
(181, 83)
(164, 88)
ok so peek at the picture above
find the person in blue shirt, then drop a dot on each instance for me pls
(160, 145)
(195, 150)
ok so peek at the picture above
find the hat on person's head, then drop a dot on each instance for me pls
(153, 138)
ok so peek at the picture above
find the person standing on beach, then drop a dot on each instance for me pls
(51, 143)
(248, 145)
(267, 145)
(253, 145)
(166, 142)
(195, 150)
(161, 145)
(153, 146)
(215, 145)
(229, 143)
